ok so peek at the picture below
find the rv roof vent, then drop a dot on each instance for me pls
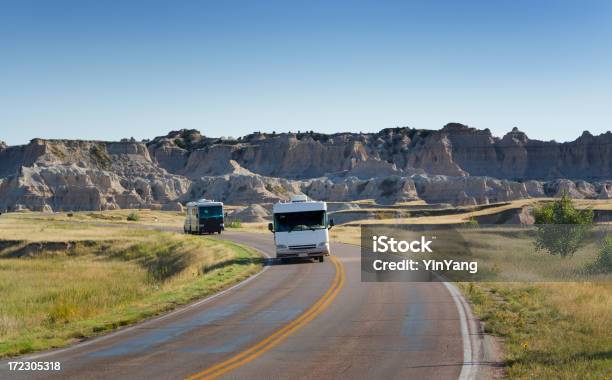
(299, 198)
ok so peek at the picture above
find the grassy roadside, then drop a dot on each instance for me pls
(56, 295)
(549, 330)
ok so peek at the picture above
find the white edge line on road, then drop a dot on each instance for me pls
(468, 371)
(467, 367)
(466, 320)
(143, 323)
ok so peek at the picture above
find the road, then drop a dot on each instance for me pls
(292, 321)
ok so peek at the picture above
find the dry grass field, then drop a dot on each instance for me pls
(68, 278)
(599, 204)
(84, 225)
(548, 330)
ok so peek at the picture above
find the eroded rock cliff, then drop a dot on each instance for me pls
(84, 175)
(455, 150)
(456, 164)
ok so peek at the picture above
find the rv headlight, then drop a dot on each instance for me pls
(322, 244)
(281, 246)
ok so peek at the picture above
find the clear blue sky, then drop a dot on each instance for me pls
(112, 69)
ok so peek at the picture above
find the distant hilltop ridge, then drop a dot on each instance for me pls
(456, 164)
(454, 150)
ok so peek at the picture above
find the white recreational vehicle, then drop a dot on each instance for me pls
(300, 228)
(204, 216)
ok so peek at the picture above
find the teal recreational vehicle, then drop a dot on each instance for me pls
(204, 217)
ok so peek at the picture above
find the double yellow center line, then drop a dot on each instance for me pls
(279, 335)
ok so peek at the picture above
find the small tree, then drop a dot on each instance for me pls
(561, 227)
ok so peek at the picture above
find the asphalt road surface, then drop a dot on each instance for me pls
(303, 320)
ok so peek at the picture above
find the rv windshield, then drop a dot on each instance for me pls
(299, 221)
(210, 212)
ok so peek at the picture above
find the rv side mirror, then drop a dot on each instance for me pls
(271, 227)
(331, 223)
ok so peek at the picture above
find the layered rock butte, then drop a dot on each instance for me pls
(456, 164)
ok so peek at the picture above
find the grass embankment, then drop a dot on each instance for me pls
(101, 278)
(549, 330)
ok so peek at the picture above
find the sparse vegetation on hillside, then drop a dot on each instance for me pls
(100, 156)
(275, 189)
(57, 152)
(180, 143)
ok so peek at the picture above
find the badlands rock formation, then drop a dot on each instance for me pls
(250, 214)
(456, 164)
(84, 175)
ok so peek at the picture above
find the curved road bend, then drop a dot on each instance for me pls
(365, 330)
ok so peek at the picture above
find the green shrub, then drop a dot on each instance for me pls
(236, 223)
(133, 217)
(472, 222)
(561, 227)
(180, 143)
